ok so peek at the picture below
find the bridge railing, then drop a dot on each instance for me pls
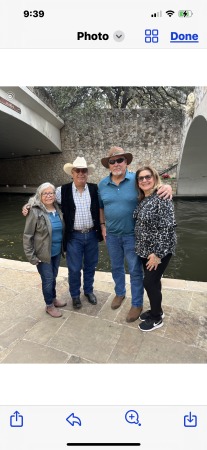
(169, 171)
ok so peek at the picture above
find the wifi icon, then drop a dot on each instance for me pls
(170, 12)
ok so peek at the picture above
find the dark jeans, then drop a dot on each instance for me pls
(152, 285)
(48, 273)
(82, 253)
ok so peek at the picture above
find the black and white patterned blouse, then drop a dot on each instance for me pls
(155, 227)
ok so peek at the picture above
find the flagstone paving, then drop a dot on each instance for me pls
(97, 334)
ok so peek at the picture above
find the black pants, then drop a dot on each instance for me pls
(152, 284)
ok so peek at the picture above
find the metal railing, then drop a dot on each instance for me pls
(161, 172)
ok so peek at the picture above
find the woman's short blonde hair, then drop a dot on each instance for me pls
(154, 173)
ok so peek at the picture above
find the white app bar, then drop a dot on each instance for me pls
(102, 24)
(107, 427)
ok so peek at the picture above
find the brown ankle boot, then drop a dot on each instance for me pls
(117, 301)
(134, 313)
(59, 304)
(52, 311)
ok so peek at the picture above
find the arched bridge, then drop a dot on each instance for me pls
(192, 170)
(28, 126)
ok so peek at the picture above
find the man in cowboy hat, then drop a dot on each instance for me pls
(80, 207)
(118, 200)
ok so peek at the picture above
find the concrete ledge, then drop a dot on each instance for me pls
(18, 189)
(168, 283)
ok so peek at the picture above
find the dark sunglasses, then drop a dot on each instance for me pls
(118, 161)
(147, 177)
(80, 170)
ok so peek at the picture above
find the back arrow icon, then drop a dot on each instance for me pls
(72, 419)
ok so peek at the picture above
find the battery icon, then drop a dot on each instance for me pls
(185, 13)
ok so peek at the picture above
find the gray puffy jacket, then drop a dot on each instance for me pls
(37, 237)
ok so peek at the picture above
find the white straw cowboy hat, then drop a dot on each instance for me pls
(79, 163)
(116, 151)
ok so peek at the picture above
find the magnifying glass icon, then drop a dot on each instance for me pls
(132, 416)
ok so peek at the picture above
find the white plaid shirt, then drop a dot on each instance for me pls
(83, 218)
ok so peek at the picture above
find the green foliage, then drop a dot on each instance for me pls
(68, 99)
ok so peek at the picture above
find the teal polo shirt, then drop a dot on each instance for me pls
(119, 203)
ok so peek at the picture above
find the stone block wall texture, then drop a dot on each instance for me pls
(151, 135)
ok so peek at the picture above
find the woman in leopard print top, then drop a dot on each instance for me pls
(155, 241)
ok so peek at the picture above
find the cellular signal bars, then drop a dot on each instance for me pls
(157, 14)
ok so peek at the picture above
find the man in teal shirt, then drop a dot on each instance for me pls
(118, 198)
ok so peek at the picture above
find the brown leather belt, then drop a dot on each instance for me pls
(85, 230)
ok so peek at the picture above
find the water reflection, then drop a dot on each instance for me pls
(188, 264)
(191, 253)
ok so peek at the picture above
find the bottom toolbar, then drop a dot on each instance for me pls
(59, 427)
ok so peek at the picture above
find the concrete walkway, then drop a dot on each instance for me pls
(97, 334)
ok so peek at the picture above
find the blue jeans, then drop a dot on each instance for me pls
(82, 254)
(48, 273)
(121, 248)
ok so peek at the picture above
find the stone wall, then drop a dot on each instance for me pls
(152, 136)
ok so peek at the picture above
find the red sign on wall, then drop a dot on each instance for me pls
(10, 105)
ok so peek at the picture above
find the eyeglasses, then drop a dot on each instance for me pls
(80, 170)
(48, 194)
(118, 161)
(147, 177)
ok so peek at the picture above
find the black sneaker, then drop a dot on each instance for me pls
(150, 324)
(147, 315)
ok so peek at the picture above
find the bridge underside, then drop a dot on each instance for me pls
(18, 139)
(192, 176)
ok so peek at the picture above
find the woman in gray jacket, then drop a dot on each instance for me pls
(42, 242)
